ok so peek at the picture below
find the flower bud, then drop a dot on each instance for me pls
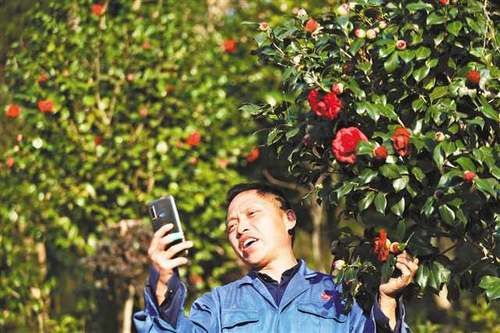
(360, 33)
(371, 34)
(469, 176)
(343, 10)
(439, 136)
(263, 26)
(401, 44)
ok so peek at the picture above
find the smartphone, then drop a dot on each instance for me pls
(163, 211)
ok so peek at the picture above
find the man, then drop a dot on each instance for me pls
(280, 294)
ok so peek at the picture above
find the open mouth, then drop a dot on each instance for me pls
(248, 243)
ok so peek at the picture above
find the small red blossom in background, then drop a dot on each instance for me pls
(380, 153)
(469, 176)
(146, 45)
(223, 162)
(473, 76)
(45, 106)
(130, 77)
(194, 139)
(12, 111)
(263, 26)
(193, 160)
(98, 9)
(98, 140)
(42, 78)
(401, 44)
(444, 2)
(230, 45)
(327, 107)
(345, 143)
(311, 26)
(253, 155)
(10, 162)
(401, 141)
(143, 112)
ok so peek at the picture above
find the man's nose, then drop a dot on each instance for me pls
(242, 227)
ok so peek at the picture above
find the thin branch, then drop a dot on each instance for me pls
(281, 183)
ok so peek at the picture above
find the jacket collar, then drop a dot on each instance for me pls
(297, 285)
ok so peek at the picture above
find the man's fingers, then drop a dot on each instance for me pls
(173, 250)
(166, 240)
(163, 230)
(411, 263)
(167, 264)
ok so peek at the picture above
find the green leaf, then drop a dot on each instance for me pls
(466, 163)
(491, 284)
(434, 19)
(381, 202)
(488, 110)
(400, 183)
(345, 189)
(367, 200)
(367, 175)
(399, 207)
(437, 275)
(454, 28)
(438, 92)
(418, 173)
(365, 148)
(388, 268)
(356, 45)
(407, 55)
(251, 109)
(484, 185)
(438, 156)
(422, 53)
(390, 171)
(428, 207)
(447, 214)
(418, 104)
(273, 136)
(392, 63)
(420, 73)
(416, 6)
(293, 132)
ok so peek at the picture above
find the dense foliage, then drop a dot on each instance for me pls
(395, 105)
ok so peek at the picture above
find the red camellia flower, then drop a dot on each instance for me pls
(444, 2)
(12, 111)
(98, 9)
(98, 140)
(10, 162)
(401, 141)
(473, 76)
(230, 45)
(311, 25)
(42, 78)
(45, 106)
(194, 139)
(401, 44)
(469, 176)
(380, 246)
(380, 153)
(253, 155)
(327, 107)
(345, 143)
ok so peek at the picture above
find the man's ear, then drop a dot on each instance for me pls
(291, 218)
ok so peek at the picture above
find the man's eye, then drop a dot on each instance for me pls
(230, 228)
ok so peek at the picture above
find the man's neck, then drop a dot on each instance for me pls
(276, 267)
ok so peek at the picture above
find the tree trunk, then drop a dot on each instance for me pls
(128, 309)
(43, 315)
(318, 216)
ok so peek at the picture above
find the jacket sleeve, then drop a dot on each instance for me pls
(376, 321)
(204, 315)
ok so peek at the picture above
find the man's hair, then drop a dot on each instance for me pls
(261, 188)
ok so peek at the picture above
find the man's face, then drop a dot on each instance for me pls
(258, 228)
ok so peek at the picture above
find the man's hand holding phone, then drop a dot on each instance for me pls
(163, 252)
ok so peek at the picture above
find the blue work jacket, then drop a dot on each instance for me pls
(311, 304)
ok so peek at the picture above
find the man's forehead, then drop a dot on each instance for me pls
(247, 198)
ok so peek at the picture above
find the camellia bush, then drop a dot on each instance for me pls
(394, 106)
